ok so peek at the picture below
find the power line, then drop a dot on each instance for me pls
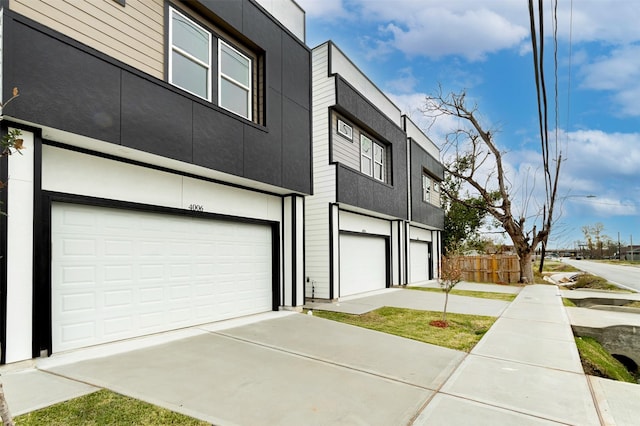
(569, 81)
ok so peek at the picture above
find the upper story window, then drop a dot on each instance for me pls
(235, 80)
(190, 56)
(235, 76)
(426, 188)
(430, 189)
(345, 130)
(372, 162)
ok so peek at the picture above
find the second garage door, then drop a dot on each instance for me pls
(419, 261)
(363, 263)
(118, 274)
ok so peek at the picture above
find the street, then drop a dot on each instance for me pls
(621, 275)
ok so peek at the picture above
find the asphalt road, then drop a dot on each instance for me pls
(622, 275)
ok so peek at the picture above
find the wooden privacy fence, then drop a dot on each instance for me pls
(497, 268)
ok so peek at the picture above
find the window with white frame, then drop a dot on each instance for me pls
(189, 56)
(234, 91)
(345, 130)
(372, 162)
(378, 162)
(426, 188)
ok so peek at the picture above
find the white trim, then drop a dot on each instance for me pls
(363, 155)
(380, 163)
(231, 80)
(187, 55)
(345, 130)
(19, 252)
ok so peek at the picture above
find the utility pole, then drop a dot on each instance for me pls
(619, 254)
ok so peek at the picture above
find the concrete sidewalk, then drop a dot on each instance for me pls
(288, 369)
(525, 370)
(421, 300)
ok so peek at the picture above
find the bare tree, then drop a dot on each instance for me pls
(472, 156)
(595, 238)
(450, 275)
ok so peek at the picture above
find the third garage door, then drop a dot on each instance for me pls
(118, 273)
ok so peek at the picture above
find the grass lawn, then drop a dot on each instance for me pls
(471, 293)
(554, 266)
(104, 408)
(463, 333)
(594, 282)
(596, 361)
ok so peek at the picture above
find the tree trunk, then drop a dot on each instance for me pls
(444, 311)
(7, 420)
(526, 267)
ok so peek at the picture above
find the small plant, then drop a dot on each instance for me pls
(450, 275)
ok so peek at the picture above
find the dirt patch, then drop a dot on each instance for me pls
(439, 324)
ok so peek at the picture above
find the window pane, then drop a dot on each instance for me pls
(426, 188)
(189, 75)
(190, 38)
(234, 98)
(235, 65)
(365, 166)
(377, 150)
(378, 171)
(365, 146)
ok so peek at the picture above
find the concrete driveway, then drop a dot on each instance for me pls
(290, 369)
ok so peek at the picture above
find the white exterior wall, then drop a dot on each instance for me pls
(19, 252)
(420, 234)
(317, 207)
(293, 250)
(289, 13)
(415, 133)
(340, 64)
(354, 222)
(76, 173)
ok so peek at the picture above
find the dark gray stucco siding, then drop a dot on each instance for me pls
(355, 188)
(69, 86)
(421, 211)
(59, 85)
(296, 129)
(155, 119)
(211, 147)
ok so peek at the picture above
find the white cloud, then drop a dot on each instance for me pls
(614, 22)
(606, 207)
(405, 83)
(619, 73)
(605, 156)
(473, 34)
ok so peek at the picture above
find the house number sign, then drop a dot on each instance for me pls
(196, 207)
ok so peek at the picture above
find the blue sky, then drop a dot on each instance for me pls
(410, 47)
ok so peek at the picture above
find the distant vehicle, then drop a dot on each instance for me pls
(553, 256)
(578, 257)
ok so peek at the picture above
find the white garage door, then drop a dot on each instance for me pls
(118, 274)
(363, 264)
(419, 261)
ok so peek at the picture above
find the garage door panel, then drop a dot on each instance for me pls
(419, 261)
(118, 274)
(363, 264)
